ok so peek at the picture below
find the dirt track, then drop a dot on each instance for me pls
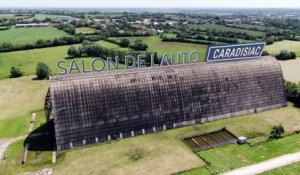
(4, 143)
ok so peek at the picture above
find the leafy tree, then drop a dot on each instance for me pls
(42, 71)
(125, 42)
(73, 52)
(277, 131)
(201, 37)
(139, 45)
(15, 72)
(86, 42)
(69, 28)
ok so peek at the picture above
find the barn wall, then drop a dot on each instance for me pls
(98, 107)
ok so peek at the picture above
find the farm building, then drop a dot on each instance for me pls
(96, 107)
(32, 25)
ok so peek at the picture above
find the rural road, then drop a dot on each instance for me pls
(4, 143)
(266, 165)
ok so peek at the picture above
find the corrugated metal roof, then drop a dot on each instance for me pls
(117, 103)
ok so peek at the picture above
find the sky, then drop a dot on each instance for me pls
(153, 3)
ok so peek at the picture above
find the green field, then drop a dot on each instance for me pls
(12, 16)
(27, 60)
(291, 70)
(226, 29)
(284, 45)
(234, 156)
(12, 127)
(9, 16)
(21, 95)
(165, 153)
(292, 169)
(42, 17)
(249, 26)
(156, 45)
(85, 30)
(30, 35)
(169, 35)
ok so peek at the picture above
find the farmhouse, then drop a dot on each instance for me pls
(96, 107)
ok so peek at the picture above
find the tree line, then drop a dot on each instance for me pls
(137, 45)
(227, 34)
(41, 43)
(185, 40)
(91, 49)
(292, 91)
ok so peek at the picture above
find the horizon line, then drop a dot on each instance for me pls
(163, 7)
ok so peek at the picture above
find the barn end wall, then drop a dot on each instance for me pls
(96, 107)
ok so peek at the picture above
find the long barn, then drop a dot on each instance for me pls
(95, 107)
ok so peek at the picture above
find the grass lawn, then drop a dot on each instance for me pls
(165, 153)
(234, 156)
(156, 45)
(291, 69)
(28, 59)
(85, 30)
(21, 95)
(30, 35)
(226, 29)
(12, 127)
(284, 45)
(41, 158)
(289, 169)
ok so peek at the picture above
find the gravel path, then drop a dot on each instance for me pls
(266, 165)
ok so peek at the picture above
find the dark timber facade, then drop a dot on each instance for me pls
(96, 107)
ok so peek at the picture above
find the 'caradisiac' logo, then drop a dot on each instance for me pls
(233, 52)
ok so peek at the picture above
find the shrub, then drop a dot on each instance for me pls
(265, 53)
(286, 55)
(73, 52)
(125, 42)
(277, 132)
(42, 71)
(293, 55)
(15, 72)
